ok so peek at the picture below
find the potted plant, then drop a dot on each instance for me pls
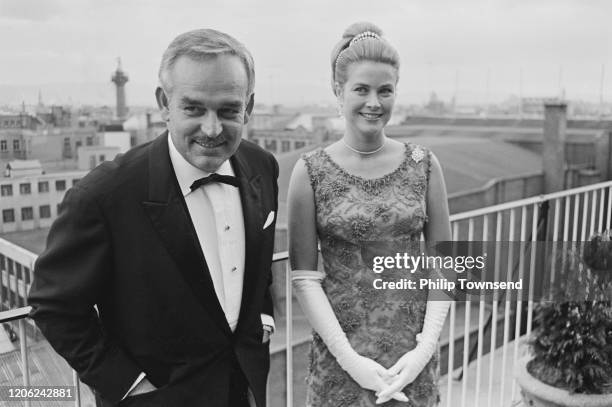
(571, 346)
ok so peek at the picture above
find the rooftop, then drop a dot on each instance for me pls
(505, 122)
(24, 165)
(33, 240)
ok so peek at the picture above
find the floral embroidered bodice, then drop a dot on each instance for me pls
(358, 219)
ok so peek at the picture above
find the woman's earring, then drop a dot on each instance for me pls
(340, 111)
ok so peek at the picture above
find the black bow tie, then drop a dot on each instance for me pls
(214, 177)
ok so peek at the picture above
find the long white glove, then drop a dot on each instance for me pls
(413, 362)
(366, 372)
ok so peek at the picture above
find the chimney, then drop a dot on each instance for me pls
(553, 154)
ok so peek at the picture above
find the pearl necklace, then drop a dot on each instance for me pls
(365, 152)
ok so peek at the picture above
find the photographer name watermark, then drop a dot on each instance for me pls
(442, 284)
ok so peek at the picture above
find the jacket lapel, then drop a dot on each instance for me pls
(168, 212)
(250, 197)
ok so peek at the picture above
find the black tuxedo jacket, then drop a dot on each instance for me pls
(124, 243)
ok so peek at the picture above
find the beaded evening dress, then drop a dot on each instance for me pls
(356, 219)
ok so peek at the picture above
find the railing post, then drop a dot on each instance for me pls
(23, 345)
(289, 334)
(77, 388)
(541, 235)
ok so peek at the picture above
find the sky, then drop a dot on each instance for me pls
(476, 50)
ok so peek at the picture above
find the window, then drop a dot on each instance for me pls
(43, 186)
(8, 215)
(6, 190)
(60, 185)
(25, 189)
(16, 145)
(285, 146)
(27, 213)
(270, 145)
(89, 141)
(102, 157)
(45, 211)
(3, 145)
(67, 150)
(299, 144)
(75, 181)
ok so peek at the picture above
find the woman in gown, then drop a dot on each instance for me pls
(358, 196)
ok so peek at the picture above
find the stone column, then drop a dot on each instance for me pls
(603, 155)
(553, 154)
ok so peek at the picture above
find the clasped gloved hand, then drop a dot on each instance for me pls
(412, 363)
(369, 374)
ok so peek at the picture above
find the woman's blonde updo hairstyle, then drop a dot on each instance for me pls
(368, 49)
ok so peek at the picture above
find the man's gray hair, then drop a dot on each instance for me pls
(201, 44)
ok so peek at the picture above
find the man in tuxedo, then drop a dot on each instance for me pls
(154, 285)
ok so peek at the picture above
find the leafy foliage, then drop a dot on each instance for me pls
(572, 341)
(573, 346)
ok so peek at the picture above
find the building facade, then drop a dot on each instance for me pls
(285, 133)
(283, 141)
(31, 202)
(16, 133)
(90, 157)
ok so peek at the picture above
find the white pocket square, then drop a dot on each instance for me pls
(269, 220)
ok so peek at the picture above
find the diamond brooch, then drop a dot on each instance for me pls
(418, 154)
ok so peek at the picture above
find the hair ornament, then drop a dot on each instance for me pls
(359, 37)
(364, 35)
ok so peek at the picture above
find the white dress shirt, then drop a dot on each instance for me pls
(216, 213)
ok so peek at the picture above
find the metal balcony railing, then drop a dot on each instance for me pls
(570, 215)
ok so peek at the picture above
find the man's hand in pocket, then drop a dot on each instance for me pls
(267, 332)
